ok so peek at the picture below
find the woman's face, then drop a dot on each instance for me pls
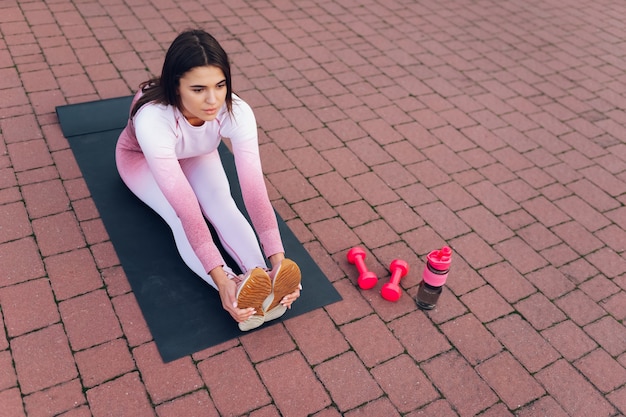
(202, 93)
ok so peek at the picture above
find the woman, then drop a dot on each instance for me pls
(167, 155)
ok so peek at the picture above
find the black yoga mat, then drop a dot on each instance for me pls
(183, 312)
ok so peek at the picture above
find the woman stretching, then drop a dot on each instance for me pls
(167, 156)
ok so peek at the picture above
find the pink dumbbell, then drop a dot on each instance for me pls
(367, 279)
(391, 291)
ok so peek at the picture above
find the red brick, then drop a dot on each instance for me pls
(314, 210)
(545, 406)
(350, 388)
(486, 304)
(439, 408)
(11, 401)
(520, 255)
(545, 211)
(524, 343)
(577, 237)
(608, 262)
(334, 235)
(379, 407)
(616, 305)
(132, 320)
(459, 383)
(599, 288)
(372, 340)
(351, 307)
(19, 261)
(614, 237)
(442, 220)
(58, 233)
(73, 273)
(419, 336)
(577, 396)
(292, 385)
(89, 320)
(345, 161)
(124, 396)
(292, 186)
(579, 307)
(539, 311)
(165, 381)
(485, 224)
(28, 306)
(316, 336)
(507, 281)
(43, 359)
(55, 400)
(8, 378)
(609, 334)
(405, 384)
(195, 404)
(500, 370)
(14, 222)
(268, 342)
(29, 154)
(602, 370)
(369, 185)
(471, 339)
(550, 281)
(233, 383)
(104, 362)
(105, 255)
(22, 128)
(475, 251)
(45, 198)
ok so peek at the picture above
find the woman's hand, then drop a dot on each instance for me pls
(228, 289)
(288, 300)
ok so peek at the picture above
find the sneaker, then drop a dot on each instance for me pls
(252, 289)
(285, 280)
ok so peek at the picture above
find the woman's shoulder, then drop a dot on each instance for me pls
(153, 112)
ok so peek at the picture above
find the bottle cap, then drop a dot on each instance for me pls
(440, 259)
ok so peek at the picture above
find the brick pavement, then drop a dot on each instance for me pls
(496, 127)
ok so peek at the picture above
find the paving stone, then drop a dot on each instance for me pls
(486, 304)
(602, 370)
(234, 385)
(132, 320)
(509, 283)
(459, 383)
(579, 307)
(352, 386)
(569, 339)
(28, 306)
(317, 335)
(292, 385)
(267, 342)
(609, 334)
(546, 406)
(55, 400)
(405, 384)
(12, 403)
(8, 379)
(472, 340)
(419, 336)
(82, 314)
(524, 343)
(72, 273)
(104, 362)
(508, 378)
(575, 394)
(539, 311)
(371, 340)
(43, 359)
(197, 404)
(165, 381)
(125, 395)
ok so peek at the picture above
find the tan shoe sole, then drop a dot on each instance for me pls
(254, 290)
(286, 281)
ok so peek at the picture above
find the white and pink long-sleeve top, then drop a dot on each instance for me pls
(162, 135)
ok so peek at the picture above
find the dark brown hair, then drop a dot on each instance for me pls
(191, 48)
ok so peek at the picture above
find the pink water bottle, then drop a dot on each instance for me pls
(433, 278)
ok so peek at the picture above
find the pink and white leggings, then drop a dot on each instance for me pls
(206, 175)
